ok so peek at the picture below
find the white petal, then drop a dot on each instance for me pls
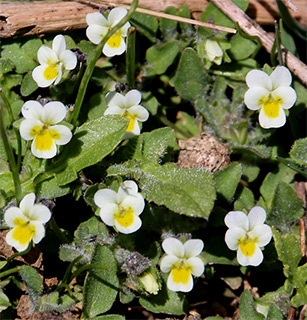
(252, 97)
(107, 213)
(39, 231)
(95, 33)
(27, 202)
(39, 213)
(256, 216)
(53, 112)
(139, 113)
(173, 247)
(288, 96)
(43, 154)
(193, 247)
(135, 202)
(68, 59)
(197, 265)
(254, 260)
(267, 122)
(60, 73)
(104, 196)
(213, 50)
(281, 77)
(134, 226)
(61, 134)
(124, 29)
(116, 15)
(257, 78)
(133, 98)
(237, 219)
(46, 56)
(135, 131)
(26, 127)
(111, 52)
(263, 233)
(96, 18)
(14, 243)
(38, 77)
(59, 44)
(32, 109)
(13, 213)
(114, 110)
(115, 99)
(167, 262)
(128, 187)
(232, 237)
(183, 287)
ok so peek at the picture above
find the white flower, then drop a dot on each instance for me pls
(128, 107)
(53, 62)
(40, 125)
(27, 222)
(271, 94)
(182, 262)
(122, 209)
(213, 51)
(247, 234)
(99, 26)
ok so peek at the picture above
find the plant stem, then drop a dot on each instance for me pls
(17, 254)
(130, 57)
(11, 159)
(58, 232)
(278, 44)
(91, 65)
(8, 272)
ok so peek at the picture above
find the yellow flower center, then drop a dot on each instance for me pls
(115, 41)
(51, 72)
(248, 246)
(35, 130)
(44, 140)
(271, 106)
(124, 216)
(131, 122)
(23, 232)
(181, 272)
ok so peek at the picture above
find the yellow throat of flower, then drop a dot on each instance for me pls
(115, 41)
(248, 246)
(124, 216)
(44, 138)
(131, 122)
(23, 232)
(271, 106)
(181, 272)
(51, 72)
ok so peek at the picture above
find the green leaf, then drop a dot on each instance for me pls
(109, 317)
(90, 228)
(300, 277)
(245, 199)
(101, 285)
(286, 207)
(298, 151)
(191, 71)
(169, 27)
(28, 85)
(91, 143)
(145, 24)
(227, 181)
(274, 313)
(161, 57)
(241, 48)
(247, 307)
(165, 301)
(33, 282)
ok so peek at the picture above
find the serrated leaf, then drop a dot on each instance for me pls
(101, 285)
(247, 307)
(299, 151)
(91, 143)
(286, 207)
(227, 181)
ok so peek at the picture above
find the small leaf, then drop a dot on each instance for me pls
(169, 27)
(247, 307)
(109, 317)
(28, 85)
(101, 285)
(145, 24)
(241, 48)
(299, 151)
(274, 313)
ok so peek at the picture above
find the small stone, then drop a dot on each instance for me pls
(204, 151)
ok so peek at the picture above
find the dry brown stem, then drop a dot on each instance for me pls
(252, 28)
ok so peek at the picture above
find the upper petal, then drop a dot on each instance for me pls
(105, 196)
(193, 247)
(257, 78)
(32, 109)
(47, 56)
(39, 213)
(95, 33)
(173, 247)
(256, 216)
(287, 95)
(237, 219)
(133, 98)
(53, 112)
(59, 44)
(27, 202)
(68, 59)
(116, 15)
(128, 187)
(281, 77)
(167, 262)
(268, 122)
(115, 99)
(96, 18)
(253, 96)
(135, 202)
(114, 110)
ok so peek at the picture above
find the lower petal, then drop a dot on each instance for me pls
(15, 243)
(43, 149)
(185, 285)
(38, 77)
(132, 227)
(111, 51)
(267, 122)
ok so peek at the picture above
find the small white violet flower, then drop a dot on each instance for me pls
(121, 209)
(27, 222)
(271, 94)
(182, 262)
(53, 62)
(99, 26)
(214, 52)
(40, 125)
(128, 107)
(247, 234)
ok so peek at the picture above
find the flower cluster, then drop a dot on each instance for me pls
(53, 62)
(128, 107)
(121, 209)
(27, 222)
(98, 26)
(40, 125)
(271, 94)
(247, 234)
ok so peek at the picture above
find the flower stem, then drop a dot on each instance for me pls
(10, 156)
(130, 57)
(17, 254)
(58, 232)
(8, 272)
(91, 65)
